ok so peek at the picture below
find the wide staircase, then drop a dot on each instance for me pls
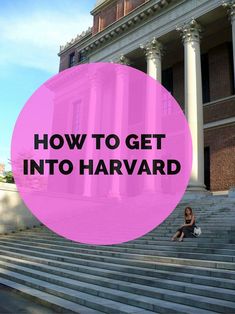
(148, 275)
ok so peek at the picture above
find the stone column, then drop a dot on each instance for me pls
(93, 117)
(153, 52)
(230, 6)
(121, 119)
(124, 60)
(193, 100)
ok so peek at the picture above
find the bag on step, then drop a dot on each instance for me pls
(197, 231)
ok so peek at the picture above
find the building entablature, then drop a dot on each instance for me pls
(139, 26)
(79, 39)
(87, 42)
(188, 46)
(161, 24)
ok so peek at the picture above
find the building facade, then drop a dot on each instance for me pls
(189, 46)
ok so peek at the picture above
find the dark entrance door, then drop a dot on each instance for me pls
(207, 167)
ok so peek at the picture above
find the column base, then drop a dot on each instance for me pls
(114, 194)
(196, 188)
(231, 192)
(195, 192)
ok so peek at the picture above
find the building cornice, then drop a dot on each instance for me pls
(80, 38)
(101, 6)
(190, 31)
(220, 123)
(230, 6)
(158, 25)
(140, 14)
(214, 102)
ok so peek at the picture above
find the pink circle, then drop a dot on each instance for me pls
(107, 205)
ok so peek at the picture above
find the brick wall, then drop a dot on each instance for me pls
(219, 110)
(64, 62)
(64, 59)
(109, 15)
(132, 4)
(96, 23)
(113, 12)
(222, 157)
(220, 72)
(120, 9)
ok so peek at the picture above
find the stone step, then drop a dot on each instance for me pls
(141, 244)
(204, 235)
(138, 276)
(204, 226)
(197, 242)
(192, 242)
(126, 247)
(147, 275)
(212, 225)
(216, 233)
(133, 286)
(112, 252)
(222, 239)
(57, 304)
(205, 232)
(206, 239)
(204, 215)
(188, 242)
(219, 240)
(98, 302)
(138, 261)
(131, 295)
(144, 269)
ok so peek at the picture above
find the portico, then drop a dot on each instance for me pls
(176, 43)
(193, 100)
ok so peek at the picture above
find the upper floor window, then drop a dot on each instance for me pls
(81, 57)
(72, 59)
(205, 78)
(231, 66)
(167, 79)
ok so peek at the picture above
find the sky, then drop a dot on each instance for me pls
(31, 32)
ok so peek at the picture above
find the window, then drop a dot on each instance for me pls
(207, 178)
(231, 66)
(205, 78)
(167, 79)
(72, 59)
(76, 116)
(81, 57)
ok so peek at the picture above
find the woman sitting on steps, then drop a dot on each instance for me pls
(187, 229)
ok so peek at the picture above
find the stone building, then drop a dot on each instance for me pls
(188, 45)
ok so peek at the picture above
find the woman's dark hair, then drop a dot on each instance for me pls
(191, 211)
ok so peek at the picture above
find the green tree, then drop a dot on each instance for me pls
(9, 177)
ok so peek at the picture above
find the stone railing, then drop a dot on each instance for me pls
(76, 40)
(14, 215)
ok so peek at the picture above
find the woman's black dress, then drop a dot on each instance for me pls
(187, 230)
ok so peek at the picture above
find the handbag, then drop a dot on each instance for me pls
(197, 231)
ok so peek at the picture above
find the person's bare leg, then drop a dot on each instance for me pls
(181, 237)
(175, 236)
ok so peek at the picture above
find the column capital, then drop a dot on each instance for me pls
(230, 6)
(124, 60)
(190, 31)
(153, 48)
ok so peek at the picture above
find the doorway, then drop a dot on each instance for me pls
(207, 167)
